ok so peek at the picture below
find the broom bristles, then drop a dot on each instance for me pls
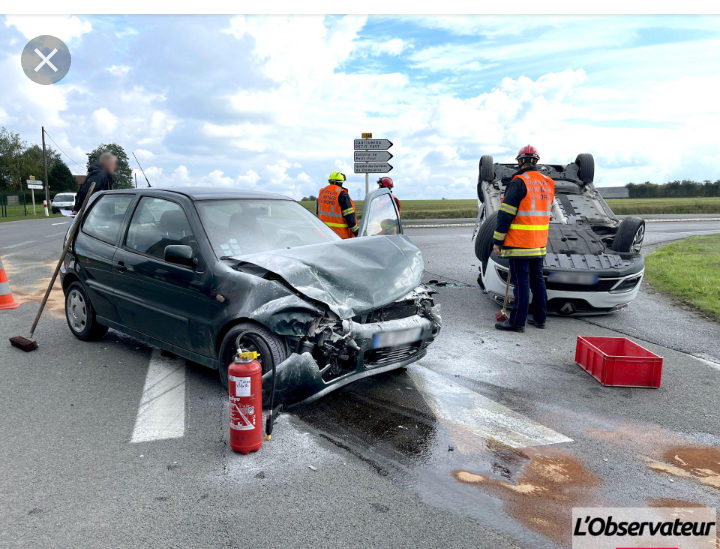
(24, 343)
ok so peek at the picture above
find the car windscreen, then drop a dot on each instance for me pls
(240, 227)
(64, 198)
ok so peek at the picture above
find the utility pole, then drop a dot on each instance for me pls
(135, 180)
(47, 183)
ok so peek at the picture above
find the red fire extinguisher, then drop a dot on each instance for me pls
(245, 386)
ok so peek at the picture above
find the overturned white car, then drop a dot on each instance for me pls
(593, 263)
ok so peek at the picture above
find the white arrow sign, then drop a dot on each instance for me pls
(34, 184)
(372, 156)
(373, 144)
(375, 167)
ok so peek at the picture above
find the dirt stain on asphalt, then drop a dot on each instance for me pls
(701, 463)
(35, 292)
(541, 494)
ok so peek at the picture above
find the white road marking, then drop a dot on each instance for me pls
(18, 245)
(161, 414)
(467, 414)
(63, 223)
(53, 235)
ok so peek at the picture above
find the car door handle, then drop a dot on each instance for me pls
(121, 266)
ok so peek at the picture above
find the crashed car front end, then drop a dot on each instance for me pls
(375, 313)
(337, 351)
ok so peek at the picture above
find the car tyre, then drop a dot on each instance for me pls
(80, 314)
(487, 168)
(484, 239)
(630, 235)
(586, 167)
(253, 337)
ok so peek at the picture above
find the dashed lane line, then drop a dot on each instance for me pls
(161, 414)
(468, 415)
(18, 245)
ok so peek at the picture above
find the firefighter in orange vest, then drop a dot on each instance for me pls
(387, 183)
(521, 236)
(336, 208)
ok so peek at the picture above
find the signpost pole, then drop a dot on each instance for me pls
(367, 175)
(32, 191)
(47, 183)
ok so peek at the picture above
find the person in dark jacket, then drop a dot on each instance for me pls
(100, 174)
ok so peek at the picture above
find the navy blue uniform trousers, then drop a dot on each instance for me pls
(526, 274)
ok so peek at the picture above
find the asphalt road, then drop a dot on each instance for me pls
(489, 441)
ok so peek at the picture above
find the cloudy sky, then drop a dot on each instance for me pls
(274, 102)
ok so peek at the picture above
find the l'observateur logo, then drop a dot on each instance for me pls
(644, 528)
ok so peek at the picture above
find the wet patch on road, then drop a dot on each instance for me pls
(696, 463)
(539, 488)
(35, 292)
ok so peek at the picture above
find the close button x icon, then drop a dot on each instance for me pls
(46, 60)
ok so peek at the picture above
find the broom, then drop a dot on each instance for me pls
(502, 316)
(28, 344)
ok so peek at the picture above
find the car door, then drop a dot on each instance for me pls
(380, 215)
(163, 300)
(95, 247)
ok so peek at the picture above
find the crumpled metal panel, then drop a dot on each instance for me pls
(352, 277)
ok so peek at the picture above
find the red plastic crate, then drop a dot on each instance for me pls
(618, 362)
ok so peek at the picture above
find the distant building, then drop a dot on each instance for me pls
(80, 179)
(613, 192)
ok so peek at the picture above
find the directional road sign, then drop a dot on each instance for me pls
(372, 156)
(372, 144)
(34, 184)
(375, 167)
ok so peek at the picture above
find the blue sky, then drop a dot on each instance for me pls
(274, 102)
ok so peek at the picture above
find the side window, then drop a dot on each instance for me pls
(158, 223)
(104, 219)
(383, 217)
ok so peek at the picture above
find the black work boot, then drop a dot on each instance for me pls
(536, 324)
(507, 327)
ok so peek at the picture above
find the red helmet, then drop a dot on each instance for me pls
(528, 151)
(385, 182)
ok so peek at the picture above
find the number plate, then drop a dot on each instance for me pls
(397, 338)
(584, 279)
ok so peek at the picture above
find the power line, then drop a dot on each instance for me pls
(62, 151)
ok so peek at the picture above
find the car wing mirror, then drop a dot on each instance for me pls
(180, 254)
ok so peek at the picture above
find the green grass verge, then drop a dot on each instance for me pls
(17, 213)
(453, 209)
(645, 206)
(689, 270)
(426, 209)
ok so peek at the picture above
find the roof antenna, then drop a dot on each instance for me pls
(143, 171)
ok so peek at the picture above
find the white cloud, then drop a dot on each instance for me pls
(64, 27)
(119, 70)
(105, 122)
(376, 48)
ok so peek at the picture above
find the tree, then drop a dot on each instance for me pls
(311, 198)
(122, 178)
(60, 178)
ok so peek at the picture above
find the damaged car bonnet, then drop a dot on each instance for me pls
(352, 277)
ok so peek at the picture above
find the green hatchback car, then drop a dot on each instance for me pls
(201, 272)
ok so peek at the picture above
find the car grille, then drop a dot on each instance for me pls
(395, 311)
(388, 355)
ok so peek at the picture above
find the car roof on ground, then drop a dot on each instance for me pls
(210, 193)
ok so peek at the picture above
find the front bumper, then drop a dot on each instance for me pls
(610, 294)
(300, 380)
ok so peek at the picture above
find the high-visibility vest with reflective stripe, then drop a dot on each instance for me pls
(529, 228)
(329, 210)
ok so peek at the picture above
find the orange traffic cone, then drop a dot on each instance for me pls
(6, 298)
